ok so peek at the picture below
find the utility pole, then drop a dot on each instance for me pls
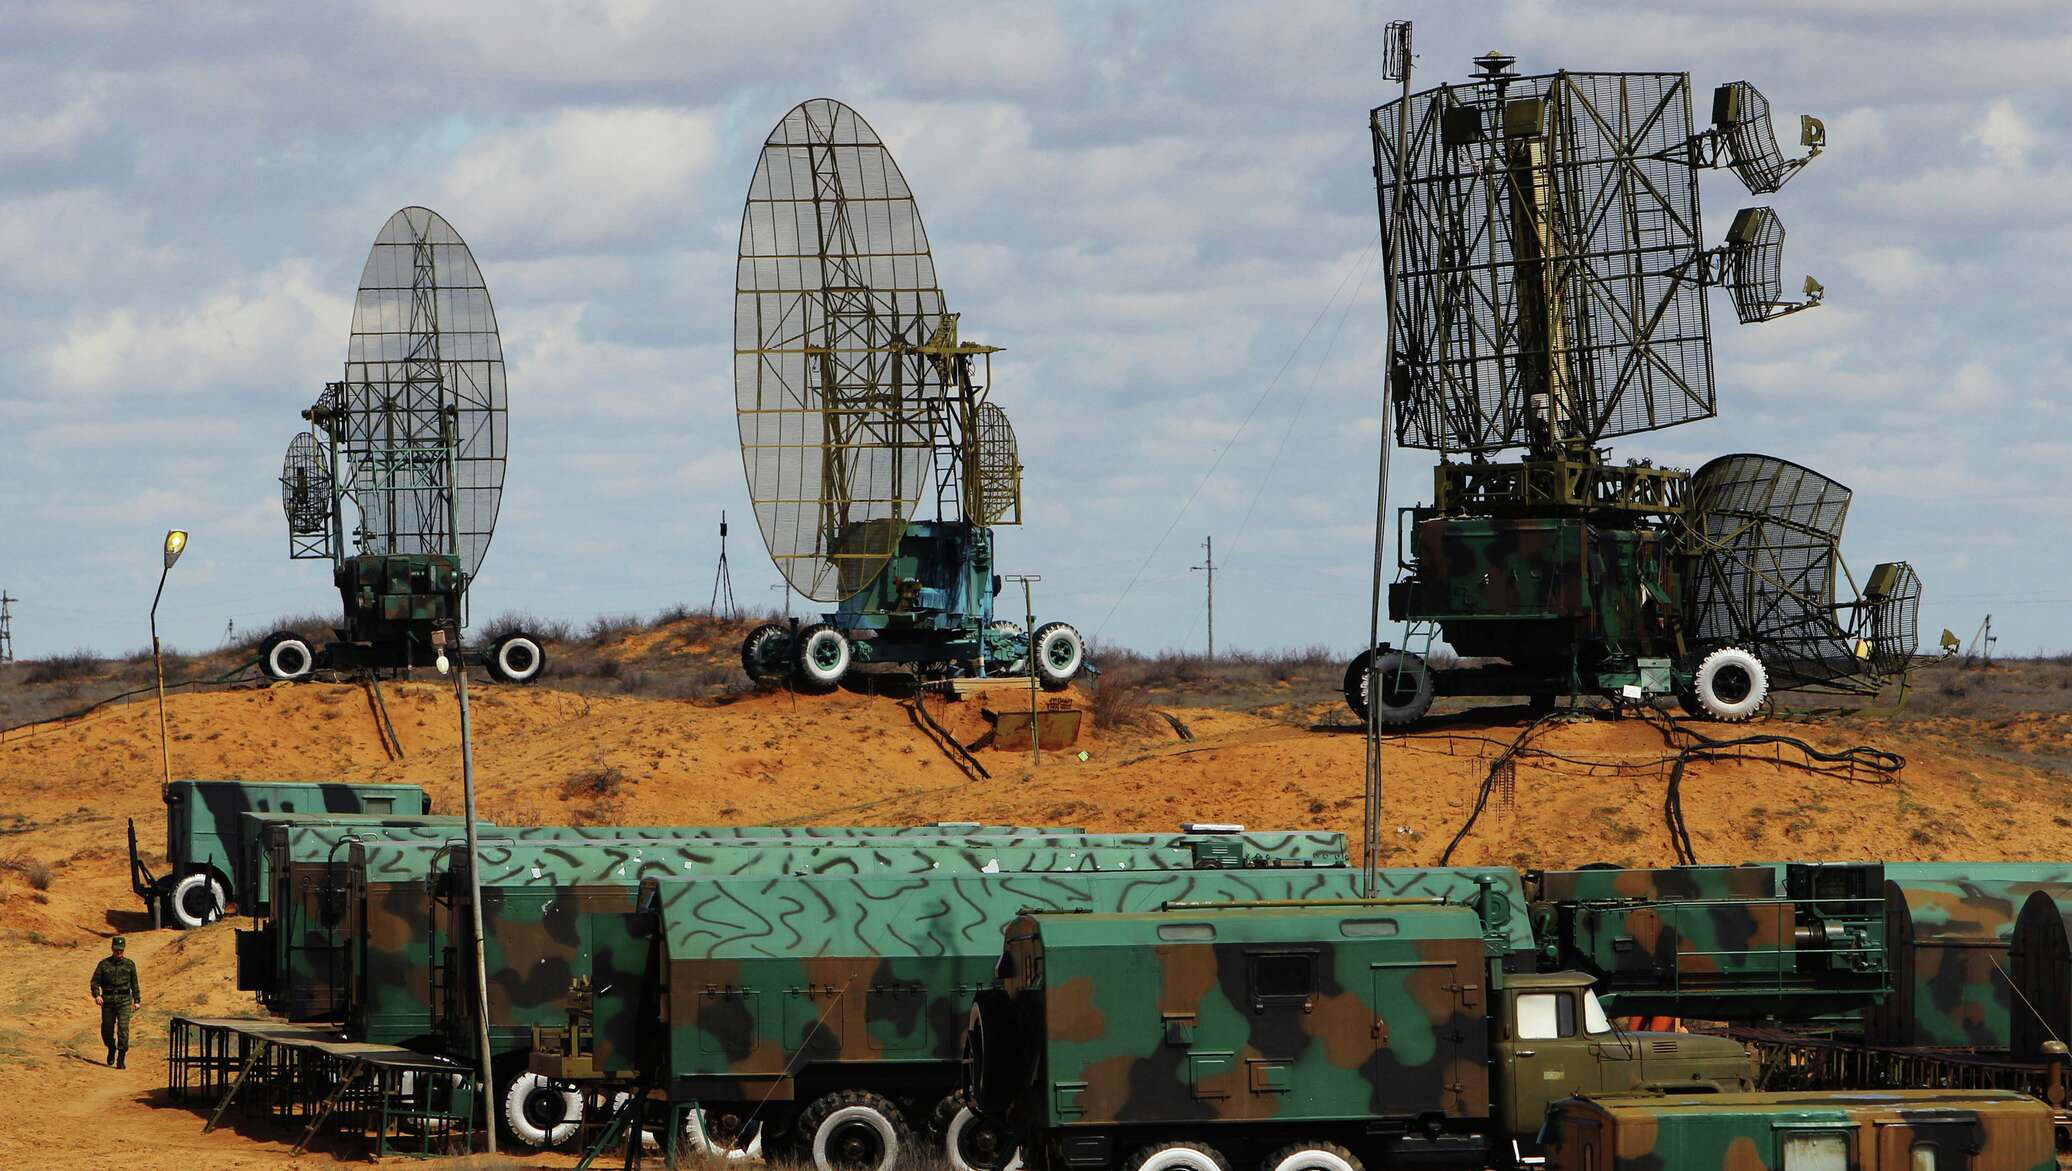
(1029, 615)
(1209, 564)
(723, 577)
(7, 627)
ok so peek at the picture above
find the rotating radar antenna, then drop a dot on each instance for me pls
(876, 467)
(408, 450)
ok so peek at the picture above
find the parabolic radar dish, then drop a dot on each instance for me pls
(998, 468)
(306, 487)
(834, 289)
(424, 357)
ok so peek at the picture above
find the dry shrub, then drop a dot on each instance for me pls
(1119, 704)
(595, 783)
(63, 668)
(35, 871)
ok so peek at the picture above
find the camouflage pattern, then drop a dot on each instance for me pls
(2040, 960)
(1374, 1026)
(1667, 883)
(405, 903)
(1902, 1130)
(252, 869)
(1950, 939)
(776, 988)
(202, 826)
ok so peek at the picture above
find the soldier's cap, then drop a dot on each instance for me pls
(119, 941)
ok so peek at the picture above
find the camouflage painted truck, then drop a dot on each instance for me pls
(203, 836)
(562, 916)
(830, 1014)
(1312, 1036)
(1902, 1130)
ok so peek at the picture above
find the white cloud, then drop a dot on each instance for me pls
(582, 177)
(1973, 385)
(26, 135)
(1894, 269)
(2005, 136)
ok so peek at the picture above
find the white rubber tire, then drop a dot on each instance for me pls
(889, 1137)
(408, 1086)
(955, 1157)
(1058, 652)
(519, 658)
(531, 1088)
(648, 1139)
(700, 1140)
(822, 657)
(1731, 684)
(1311, 1157)
(1178, 1157)
(196, 901)
(289, 659)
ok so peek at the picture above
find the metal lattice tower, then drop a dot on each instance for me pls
(7, 626)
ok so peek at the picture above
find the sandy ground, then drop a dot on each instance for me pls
(65, 791)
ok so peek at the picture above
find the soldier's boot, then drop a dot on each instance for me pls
(121, 1055)
(111, 1055)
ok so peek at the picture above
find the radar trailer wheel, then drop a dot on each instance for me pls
(196, 901)
(1060, 653)
(969, 1141)
(822, 657)
(1731, 684)
(1407, 687)
(517, 658)
(1312, 1157)
(285, 656)
(1177, 1157)
(764, 653)
(854, 1130)
(540, 1113)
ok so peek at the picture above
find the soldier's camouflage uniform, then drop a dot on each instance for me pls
(115, 982)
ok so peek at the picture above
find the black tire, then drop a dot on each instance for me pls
(517, 658)
(968, 1141)
(766, 653)
(195, 901)
(1312, 1157)
(1408, 686)
(1059, 653)
(821, 658)
(853, 1130)
(699, 1137)
(1731, 684)
(286, 657)
(1177, 1157)
(1541, 703)
(1687, 700)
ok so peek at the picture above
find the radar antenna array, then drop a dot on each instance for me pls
(306, 496)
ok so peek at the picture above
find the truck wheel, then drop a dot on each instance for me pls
(1060, 652)
(1312, 1157)
(517, 658)
(539, 1113)
(763, 653)
(196, 901)
(699, 1135)
(1177, 1157)
(822, 657)
(284, 656)
(648, 1141)
(1731, 684)
(1407, 685)
(969, 1142)
(854, 1130)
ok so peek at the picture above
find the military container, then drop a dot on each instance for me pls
(1893, 1130)
(832, 1012)
(203, 842)
(1664, 883)
(1949, 939)
(2040, 961)
(1296, 1038)
(252, 872)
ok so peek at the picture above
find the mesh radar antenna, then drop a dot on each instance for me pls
(399, 481)
(1547, 294)
(857, 400)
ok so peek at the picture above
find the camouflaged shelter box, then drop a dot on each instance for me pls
(2040, 960)
(1950, 940)
(1898, 1130)
(202, 818)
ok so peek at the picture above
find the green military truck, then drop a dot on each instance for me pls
(204, 836)
(1312, 1036)
(1888, 1130)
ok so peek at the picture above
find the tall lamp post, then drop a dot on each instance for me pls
(175, 544)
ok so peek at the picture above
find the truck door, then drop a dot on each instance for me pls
(1546, 1060)
(1927, 1145)
(1430, 1038)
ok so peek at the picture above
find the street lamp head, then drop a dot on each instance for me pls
(175, 544)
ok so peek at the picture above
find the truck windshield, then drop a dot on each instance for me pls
(1594, 1020)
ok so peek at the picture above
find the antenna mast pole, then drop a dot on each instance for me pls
(1396, 66)
(7, 627)
(723, 577)
(1209, 564)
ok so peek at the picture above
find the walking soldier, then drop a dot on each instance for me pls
(116, 990)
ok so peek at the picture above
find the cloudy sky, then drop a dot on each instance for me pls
(1164, 212)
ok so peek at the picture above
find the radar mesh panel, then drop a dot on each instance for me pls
(834, 283)
(999, 468)
(424, 344)
(1545, 248)
(306, 486)
(1764, 571)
